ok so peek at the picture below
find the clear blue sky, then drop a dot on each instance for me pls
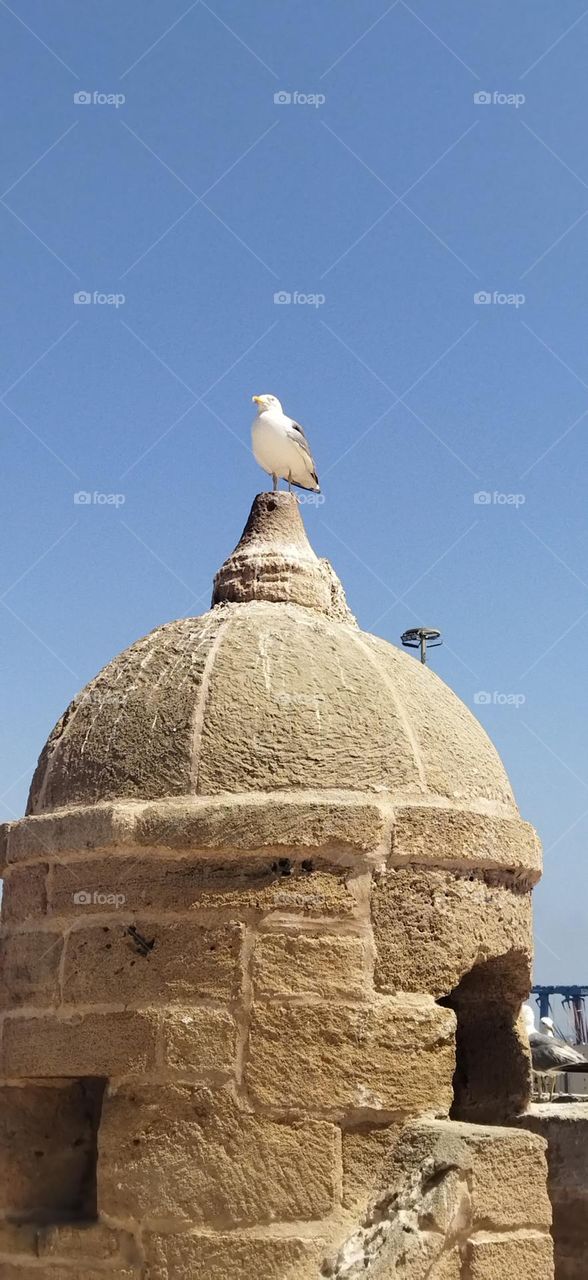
(398, 198)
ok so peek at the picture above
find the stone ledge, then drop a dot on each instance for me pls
(343, 823)
(460, 838)
(346, 825)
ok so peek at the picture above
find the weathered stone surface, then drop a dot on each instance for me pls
(286, 964)
(458, 837)
(91, 1044)
(18, 1238)
(130, 732)
(366, 1152)
(29, 969)
(528, 1256)
(71, 830)
(509, 1186)
(191, 1156)
(307, 708)
(57, 1271)
(231, 1257)
(258, 885)
(318, 703)
(456, 756)
(198, 1043)
(85, 1242)
(565, 1128)
(447, 1267)
(432, 926)
(182, 961)
(24, 894)
(274, 561)
(392, 1054)
(4, 834)
(47, 1151)
(341, 820)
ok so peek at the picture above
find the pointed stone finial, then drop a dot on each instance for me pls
(274, 561)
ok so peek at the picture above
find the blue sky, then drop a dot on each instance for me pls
(382, 197)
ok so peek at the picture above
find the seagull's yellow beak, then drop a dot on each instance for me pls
(256, 399)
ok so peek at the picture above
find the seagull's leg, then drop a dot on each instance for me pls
(275, 483)
(289, 482)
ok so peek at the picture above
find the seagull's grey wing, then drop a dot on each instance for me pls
(550, 1054)
(296, 433)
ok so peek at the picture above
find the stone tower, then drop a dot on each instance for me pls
(266, 933)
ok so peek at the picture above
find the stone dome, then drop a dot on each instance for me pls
(275, 688)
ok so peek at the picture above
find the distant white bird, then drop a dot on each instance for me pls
(280, 446)
(550, 1056)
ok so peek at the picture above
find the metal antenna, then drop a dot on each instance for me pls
(419, 638)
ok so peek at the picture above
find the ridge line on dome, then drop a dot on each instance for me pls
(374, 658)
(200, 707)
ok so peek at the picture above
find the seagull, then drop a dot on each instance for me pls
(550, 1056)
(280, 446)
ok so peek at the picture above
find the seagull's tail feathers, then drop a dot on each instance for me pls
(311, 488)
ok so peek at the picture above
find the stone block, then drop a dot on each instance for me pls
(77, 830)
(509, 1181)
(91, 1044)
(366, 1153)
(423, 834)
(142, 962)
(29, 969)
(24, 894)
(295, 964)
(47, 1151)
(278, 821)
(432, 926)
(190, 1156)
(394, 1054)
(198, 1043)
(528, 1256)
(303, 886)
(232, 1257)
(565, 1129)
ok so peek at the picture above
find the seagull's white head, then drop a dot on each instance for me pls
(549, 1023)
(529, 1018)
(265, 403)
